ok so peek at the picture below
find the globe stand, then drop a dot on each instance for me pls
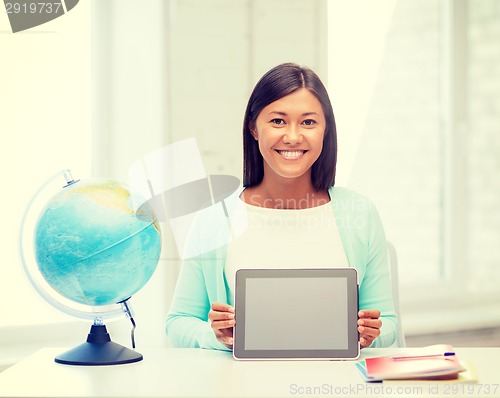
(99, 350)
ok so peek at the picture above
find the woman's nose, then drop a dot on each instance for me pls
(292, 136)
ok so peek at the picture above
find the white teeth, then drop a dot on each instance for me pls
(291, 154)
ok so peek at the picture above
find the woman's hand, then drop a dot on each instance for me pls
(369, 326)
(221, 317)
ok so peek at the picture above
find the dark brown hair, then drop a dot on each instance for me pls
(280, 81)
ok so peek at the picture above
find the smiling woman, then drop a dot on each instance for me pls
(290, 151)
(288, 80)
(290, 133)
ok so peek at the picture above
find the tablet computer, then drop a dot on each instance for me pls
(296, 314)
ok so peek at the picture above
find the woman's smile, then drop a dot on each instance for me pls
(291, 154)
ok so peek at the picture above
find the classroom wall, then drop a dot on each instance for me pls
(188, 74)
(483, 141)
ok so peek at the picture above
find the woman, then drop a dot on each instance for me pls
(288, 215)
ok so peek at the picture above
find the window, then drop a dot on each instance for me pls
(390, 136)
(417, 95)
(482, 146)
(45, 124)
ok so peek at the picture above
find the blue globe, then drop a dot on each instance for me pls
(96, 242)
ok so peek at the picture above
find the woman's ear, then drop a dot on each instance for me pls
(253, 130)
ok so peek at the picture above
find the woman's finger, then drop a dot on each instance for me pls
(221, 307)
(218, 316)
(223, 333)
(373, 323)
(373, 314)
(220, 311)
(369, 332)
(365, 341)
(223, 324)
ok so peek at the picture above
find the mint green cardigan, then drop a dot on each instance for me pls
(202, 280)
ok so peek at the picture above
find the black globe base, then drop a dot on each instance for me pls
(98, 350)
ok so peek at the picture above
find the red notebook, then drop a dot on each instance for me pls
(432, 362)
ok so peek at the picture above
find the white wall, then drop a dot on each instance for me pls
(169, 70)
(44, 128)
(419, 126)
(483, 143)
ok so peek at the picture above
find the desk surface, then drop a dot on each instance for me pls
(170, 372)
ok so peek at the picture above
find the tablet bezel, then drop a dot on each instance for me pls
(350, 353)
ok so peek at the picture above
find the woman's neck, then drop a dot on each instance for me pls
(287, 194)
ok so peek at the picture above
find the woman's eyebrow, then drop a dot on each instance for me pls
(277, 113)
(285, 114)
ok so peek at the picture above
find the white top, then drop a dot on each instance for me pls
(278, 238)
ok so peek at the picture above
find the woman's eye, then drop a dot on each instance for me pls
(278, 121)
(309, 122)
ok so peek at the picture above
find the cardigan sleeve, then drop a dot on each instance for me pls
(200, 282)
(365, 245)
(375, 289)
(187, 323)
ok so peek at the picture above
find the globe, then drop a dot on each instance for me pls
(94, 245)
(86, 247)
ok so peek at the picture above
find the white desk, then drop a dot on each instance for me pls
(172, 372)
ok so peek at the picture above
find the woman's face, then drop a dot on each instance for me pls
(290, 134)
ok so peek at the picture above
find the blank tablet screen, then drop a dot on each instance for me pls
(300, 313)
(305, 313)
